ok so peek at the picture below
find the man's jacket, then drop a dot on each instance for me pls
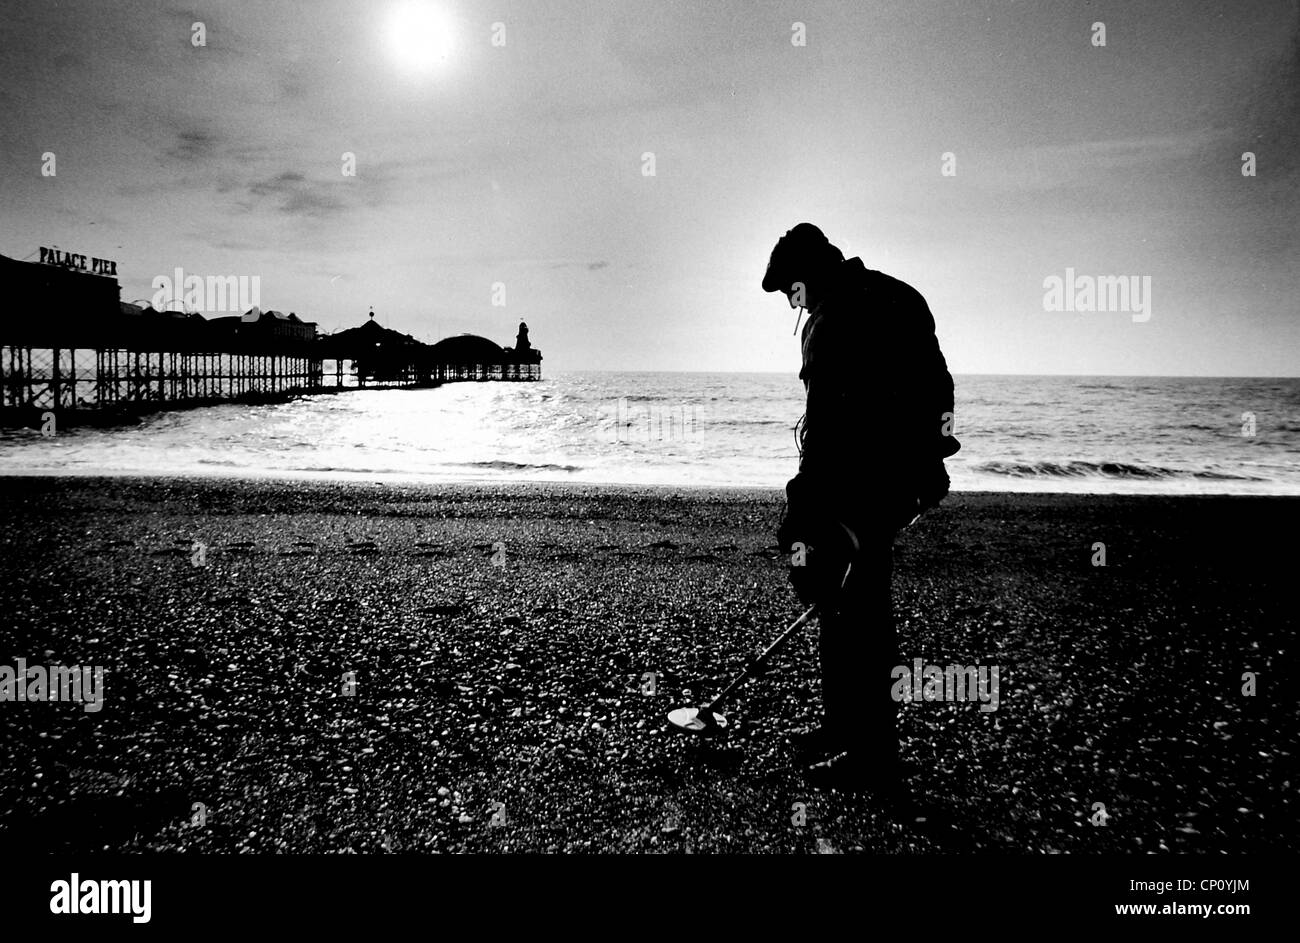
(878, 423)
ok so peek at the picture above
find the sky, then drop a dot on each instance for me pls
(501, 168)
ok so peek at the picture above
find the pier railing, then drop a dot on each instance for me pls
(86, 384)
(345, 373)
(82, 379)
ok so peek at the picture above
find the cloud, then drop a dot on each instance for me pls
(595, 266)
(1123, 154)
(193, 145)
(295, 195)
(231, 245)
(285, 181)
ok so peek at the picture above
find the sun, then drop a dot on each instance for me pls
(420, 35)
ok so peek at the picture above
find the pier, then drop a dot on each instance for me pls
(102, 360)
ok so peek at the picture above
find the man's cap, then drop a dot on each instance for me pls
(800, 249)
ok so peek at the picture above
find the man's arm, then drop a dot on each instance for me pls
(828, 437)
(933, 388)
(925, 405)
(833, 420)
(818, 495)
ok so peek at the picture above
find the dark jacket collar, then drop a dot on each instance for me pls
(849, 276)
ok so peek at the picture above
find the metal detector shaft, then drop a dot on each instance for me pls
(706, 710)
(760, 660)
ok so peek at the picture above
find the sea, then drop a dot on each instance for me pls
(1136, 435)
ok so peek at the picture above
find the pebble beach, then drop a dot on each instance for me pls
(313, 667)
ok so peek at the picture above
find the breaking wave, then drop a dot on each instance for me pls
(1081, 469)
(500, 465)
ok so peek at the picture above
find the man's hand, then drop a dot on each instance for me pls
(803, 575)
(818, 553)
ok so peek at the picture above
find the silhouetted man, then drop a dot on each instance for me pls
(872, 441)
